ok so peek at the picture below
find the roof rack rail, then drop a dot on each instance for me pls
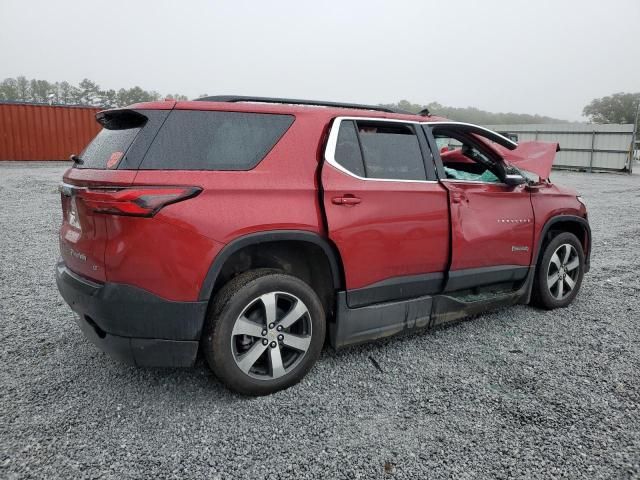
(240, 98)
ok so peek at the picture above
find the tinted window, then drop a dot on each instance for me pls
(391, 151)
(347, 149)
(196, 140)
(107, 148)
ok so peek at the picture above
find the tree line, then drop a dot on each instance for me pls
(87, 92)
(472, 114)
(615, 108)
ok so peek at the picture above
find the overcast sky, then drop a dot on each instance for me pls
(543, 56)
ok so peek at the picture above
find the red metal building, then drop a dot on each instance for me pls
(44, 132)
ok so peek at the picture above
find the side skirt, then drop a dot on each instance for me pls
(359, 325)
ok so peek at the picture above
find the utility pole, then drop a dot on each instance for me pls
(634, 139)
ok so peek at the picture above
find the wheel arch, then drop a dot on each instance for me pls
(276, 245)
(566, 223)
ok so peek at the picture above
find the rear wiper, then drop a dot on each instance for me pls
(76, 159)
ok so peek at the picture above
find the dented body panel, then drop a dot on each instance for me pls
(535, 157)
(403, 253)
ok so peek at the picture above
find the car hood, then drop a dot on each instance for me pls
(534, 157)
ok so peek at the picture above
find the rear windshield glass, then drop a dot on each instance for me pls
(197, 140)
(107, 148)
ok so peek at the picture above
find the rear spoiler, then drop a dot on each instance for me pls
(120, 119)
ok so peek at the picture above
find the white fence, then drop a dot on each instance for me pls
(582, 146)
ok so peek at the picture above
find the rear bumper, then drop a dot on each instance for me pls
(131, 324)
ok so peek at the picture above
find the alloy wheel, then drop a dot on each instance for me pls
(563, 271)
(271, 335)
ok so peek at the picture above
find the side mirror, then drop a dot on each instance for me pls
(514, 179)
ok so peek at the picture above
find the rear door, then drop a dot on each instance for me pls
(385, 210)
(492, 222)
(110, 161)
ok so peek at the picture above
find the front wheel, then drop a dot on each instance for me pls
(264, 332)
(560, 271)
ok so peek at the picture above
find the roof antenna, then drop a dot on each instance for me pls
(424, 112)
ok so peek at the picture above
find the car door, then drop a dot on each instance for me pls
(492, 223)
(386, 213)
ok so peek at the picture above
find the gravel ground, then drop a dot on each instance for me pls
(515, 393)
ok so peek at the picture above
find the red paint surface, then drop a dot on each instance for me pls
(169, 254)
(536, 157)
(552, 200)
(397, 228)
(487, 220)
(454, 156)
(83, 248)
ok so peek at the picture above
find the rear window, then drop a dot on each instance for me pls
(197, 140)
(107, 148)
(348, 152)
(391, 151)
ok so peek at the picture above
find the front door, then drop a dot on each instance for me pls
(492, 222)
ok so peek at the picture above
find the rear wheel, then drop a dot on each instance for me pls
(560, 271)
(264, 332)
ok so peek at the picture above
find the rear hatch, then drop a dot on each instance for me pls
(107, 165)
(115, 227)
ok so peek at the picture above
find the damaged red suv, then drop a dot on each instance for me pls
(252, 228)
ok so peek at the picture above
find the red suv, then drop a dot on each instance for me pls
(251, 228)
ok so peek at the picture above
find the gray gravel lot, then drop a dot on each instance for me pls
(516, 393)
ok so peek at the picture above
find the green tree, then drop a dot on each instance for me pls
(472, 114)
(9, 89)
(21, 89)
(67, 93)
(616, 108)
(154, 96)
(108, 98)
(23, 93)
(135, 95)
(89, 92)
(40, 91)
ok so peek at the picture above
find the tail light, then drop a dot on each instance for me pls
(133, 201)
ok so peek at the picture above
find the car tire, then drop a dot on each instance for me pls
(264, 332)
(559, 272)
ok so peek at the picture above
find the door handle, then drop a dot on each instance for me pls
(346, 200)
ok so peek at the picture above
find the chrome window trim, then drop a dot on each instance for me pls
(455, 180)
(508, 140)
(332, 142)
